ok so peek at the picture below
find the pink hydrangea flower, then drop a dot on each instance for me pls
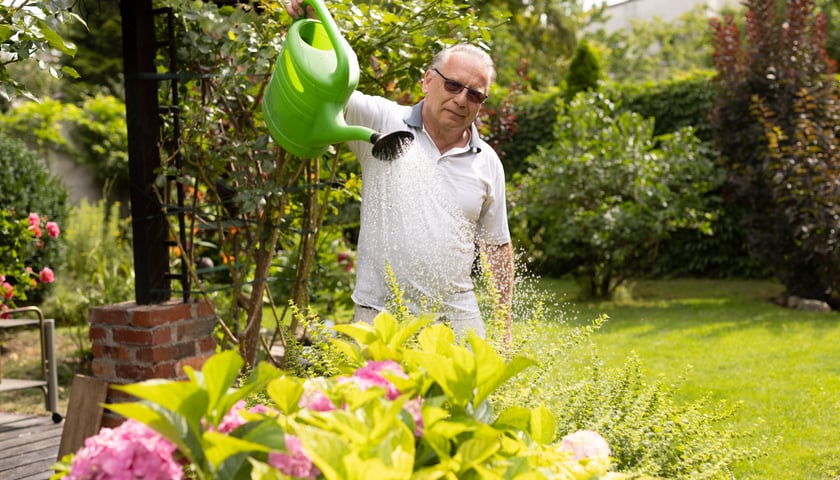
(415, 408)
(586, 444)
(128, 452)
(314, 399)
(46, 275)
(52, 230)
(371, 375)
(233, 419)
(295, 463)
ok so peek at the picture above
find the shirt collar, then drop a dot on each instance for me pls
(414, 118)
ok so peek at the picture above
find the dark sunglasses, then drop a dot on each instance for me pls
(452, 86)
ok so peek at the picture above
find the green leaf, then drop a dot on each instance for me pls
(285, 392)
(256, 381)
(221, 446)
(184, 398)
(172, 426)
(5, 32)
(515, 417)
(217, 377)
(326, 449)
(54, 39)
(475, 451)
(543, 427)
(70, 71)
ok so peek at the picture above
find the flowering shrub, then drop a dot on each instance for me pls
(412, 404)
(19, 242)
(129, 452)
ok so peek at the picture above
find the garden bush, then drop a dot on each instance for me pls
(406, 399)
(27, 186)
(535, 115)
(775, 123)
(93, 133)
(673, 104)
(676, 104)
(597, 203)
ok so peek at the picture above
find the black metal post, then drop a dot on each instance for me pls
(151, 257)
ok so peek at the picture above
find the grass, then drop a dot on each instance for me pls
(782, 364)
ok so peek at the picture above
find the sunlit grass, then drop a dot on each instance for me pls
(782, 364)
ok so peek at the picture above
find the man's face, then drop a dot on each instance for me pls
(446, 110)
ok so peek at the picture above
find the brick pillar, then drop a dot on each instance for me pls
(132, 343)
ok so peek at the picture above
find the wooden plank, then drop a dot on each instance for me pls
(29, 444)
(44, 431)
(84, 412)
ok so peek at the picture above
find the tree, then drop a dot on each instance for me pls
(656, 50)
(31, 32)
(584, 71)
(777, 123)
(597, 202)
(99, 58)
(545, 29)
(256, 209)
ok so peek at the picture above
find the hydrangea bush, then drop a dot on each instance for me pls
(411, 402)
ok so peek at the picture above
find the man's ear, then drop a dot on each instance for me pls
(424, 81)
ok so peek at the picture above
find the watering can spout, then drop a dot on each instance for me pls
(313, 79)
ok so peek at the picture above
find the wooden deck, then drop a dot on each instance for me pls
(28, 446)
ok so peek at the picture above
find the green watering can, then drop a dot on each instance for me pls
(313, 79)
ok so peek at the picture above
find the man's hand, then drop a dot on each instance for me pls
(295, 9)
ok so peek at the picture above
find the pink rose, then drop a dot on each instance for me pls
(34, 220)
(7, 289)
(46, 275)
(52, 230)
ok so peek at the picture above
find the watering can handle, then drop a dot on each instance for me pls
(342, 66)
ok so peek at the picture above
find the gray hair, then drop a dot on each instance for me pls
(440, 58)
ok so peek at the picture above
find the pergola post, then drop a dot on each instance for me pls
(151, 257)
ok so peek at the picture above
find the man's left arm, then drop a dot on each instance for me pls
(500, 259)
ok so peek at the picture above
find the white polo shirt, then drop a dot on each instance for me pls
(422, 213)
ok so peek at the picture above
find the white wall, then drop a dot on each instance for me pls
(621, 14)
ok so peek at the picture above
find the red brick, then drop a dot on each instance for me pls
(118, 396)
(132, 336)
(155, 354)
(114, 352)
(195, 362)
(140, 373)
(207, 344)
(185, 349)
(155, 315)
(103, 368)
(203, 309)
(195, 328)
(110, 314)
(111, 419)
(98, 332)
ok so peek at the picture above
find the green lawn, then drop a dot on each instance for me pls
(784, 365)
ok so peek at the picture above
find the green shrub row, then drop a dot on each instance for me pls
(672, 106)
